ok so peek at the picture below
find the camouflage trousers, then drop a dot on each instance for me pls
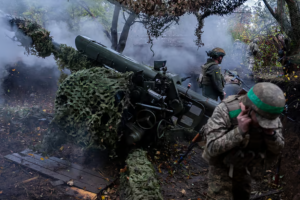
(222, 187)
(251, 62)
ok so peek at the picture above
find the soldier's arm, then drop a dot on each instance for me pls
(275, 144)
(219, 138)
(216, 79)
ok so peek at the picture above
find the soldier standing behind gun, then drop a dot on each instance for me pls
(211, 79)
(243, 132)
(252, 51)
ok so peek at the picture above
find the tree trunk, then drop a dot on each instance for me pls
(114, 27)
(125, 32)
(292, 28)
(294, 12)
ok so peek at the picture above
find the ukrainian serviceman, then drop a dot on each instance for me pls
(211, 79)
(252, 51)
(243, 132)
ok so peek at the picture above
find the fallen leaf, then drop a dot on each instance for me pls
(103, 197)
(13, 70)
(38, 128)
(158, 152)
(44, 110)
(123, 170)
(99, 188)
(42, 158)
(30, 154)
(46, 157)
(1, 192)
(70, 182)
(183, 191)
(61, 148)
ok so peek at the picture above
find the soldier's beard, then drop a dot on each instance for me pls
(220, 60)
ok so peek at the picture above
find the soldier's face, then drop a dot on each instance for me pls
(220, 59)
(256, 124)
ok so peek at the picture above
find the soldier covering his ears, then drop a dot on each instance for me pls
(243, 132)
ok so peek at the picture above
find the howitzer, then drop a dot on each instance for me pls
(158, 97)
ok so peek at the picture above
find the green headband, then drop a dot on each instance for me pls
(263, 106)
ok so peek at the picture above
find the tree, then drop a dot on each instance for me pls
(156, 26)
(160, 9)
(287, 15)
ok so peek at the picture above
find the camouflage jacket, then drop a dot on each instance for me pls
(252, 49)
(223, 136)
(214, 79)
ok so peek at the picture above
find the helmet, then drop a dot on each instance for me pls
(268, 101)
(216, 52)
(255, 40)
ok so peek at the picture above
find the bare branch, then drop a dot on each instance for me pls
(270, 9)
(86, 8)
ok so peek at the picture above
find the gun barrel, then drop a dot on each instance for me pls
(98, 52)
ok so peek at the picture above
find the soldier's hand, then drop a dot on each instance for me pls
(243, 119)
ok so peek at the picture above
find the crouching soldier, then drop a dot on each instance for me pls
(243, 132)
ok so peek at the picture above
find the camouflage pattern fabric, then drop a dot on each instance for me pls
(222, 187)
(139, 181)
(86, 108)
(224, 138)
(251, 62)
(251, 49)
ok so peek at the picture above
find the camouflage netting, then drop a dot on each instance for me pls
(139, 181)
(41, 40)
(42, 46)
(85, 107)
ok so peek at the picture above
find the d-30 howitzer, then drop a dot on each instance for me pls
(157, 96)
